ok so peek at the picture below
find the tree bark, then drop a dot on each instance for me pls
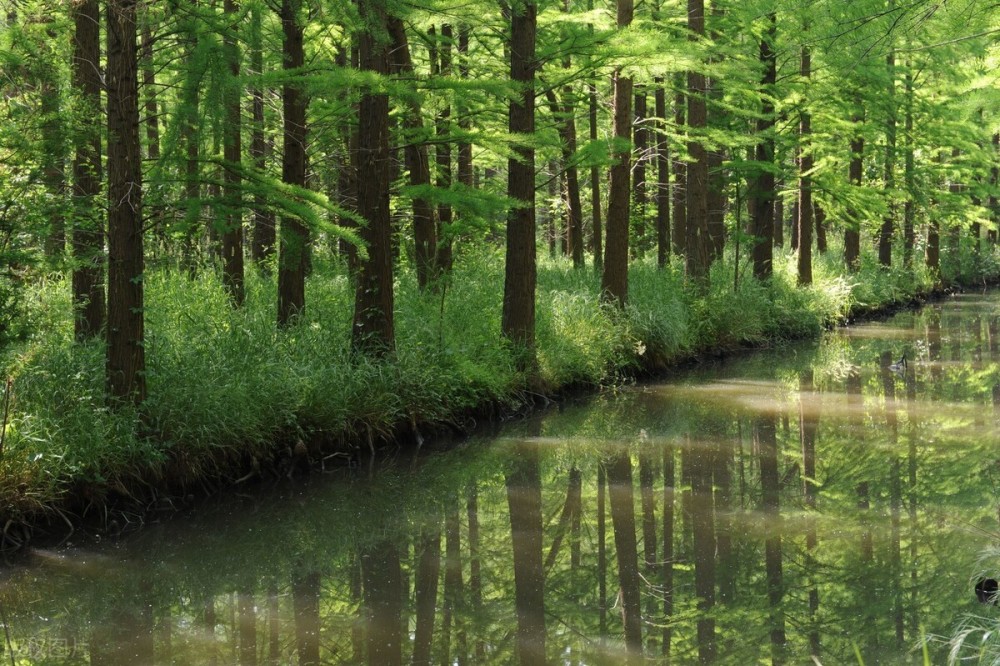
(640, 197)
(294, 235)
(88, 232)
(662, 179)
(443, 256)
(232, 234)
(524, 499)
(762, 189)
(852, 230)
(697, 244)
(416, 159)
(126, 360)
(614, 278)
(264, 228)
(679, 231)
(152, 120)
(805, 216)
(619, 472)
(888, 222)
(520, 270)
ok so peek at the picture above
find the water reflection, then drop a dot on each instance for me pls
(808, 503)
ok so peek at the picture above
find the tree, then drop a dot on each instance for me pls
(697, 238)
(805, 207)
(294, 235)
(762, 189)
(520, 270)
(374, 331)
(88, 232)
(126, 360)
(232, 234)
(614, 278)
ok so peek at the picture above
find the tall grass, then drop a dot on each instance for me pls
(229, 392)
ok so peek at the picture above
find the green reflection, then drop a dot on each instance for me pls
(808, 501)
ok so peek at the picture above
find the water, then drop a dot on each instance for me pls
(803, 501)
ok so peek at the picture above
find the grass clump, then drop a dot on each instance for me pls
(229, 392)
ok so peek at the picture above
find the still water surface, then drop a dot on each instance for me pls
(806, 502)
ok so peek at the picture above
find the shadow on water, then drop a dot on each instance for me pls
(809, 502)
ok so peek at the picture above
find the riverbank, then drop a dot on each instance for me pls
(231, 398)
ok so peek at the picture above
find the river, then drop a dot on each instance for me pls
(807, 504)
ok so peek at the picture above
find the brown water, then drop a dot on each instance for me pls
(806, 501)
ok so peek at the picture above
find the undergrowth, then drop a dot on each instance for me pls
(229, 392)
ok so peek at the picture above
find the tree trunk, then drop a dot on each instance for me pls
(264, 231)
(668, 547)
(443, 254)
(614, 278)
(595, 185)
(374, 331)
(808, 425)
(762, 189)
(662, 179)
(232, 235)
(679, 231)
(520, 270)
(428, 570)
(416, 158)
(619, 472)
(909, 176)
(640, 134)
(383, 587)
(852, 230)
(126, 361)
(157, 220)
(697, 245)
(805, 217)
(294, 235)
(88, 232)
(886, 231)
(765, 439)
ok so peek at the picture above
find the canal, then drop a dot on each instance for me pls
(815, 503)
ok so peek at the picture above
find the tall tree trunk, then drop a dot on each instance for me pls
(152, 119)
(191, 136)
(701, 512)
(428, 570)
(668, 548)
(779, 213)
(640, 133)
(662, 179)
(126, 360)
(888, 222)
(808, 425)
(520, 270)
(465, 176)
(565, 112)
(443, 254)
(805, 217)
(614, 278)
(679, 231)
(524, 500)
(88, 232)
(232, 235)
(262, 243)
(697, 244)
(852, 230)
(716, 193)
(909, 175)
(762, 189)
(294, 235)
(374, 330)
(416, 159)
(247, 629)
(53, 160)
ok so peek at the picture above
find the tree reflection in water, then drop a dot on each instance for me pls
(702, 519)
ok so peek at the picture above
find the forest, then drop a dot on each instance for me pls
(247, 235)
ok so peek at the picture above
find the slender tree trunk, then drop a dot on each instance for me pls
(779, 213)
(294, 235)
(716, 193)
(465, 176)
(614, 278)
(662, 179)
(668, 548)
(374, 330)
(909, 175)
(701, 512)
(679, 231)
(88, 232)
(888, 222)
(697, 245)
(852, 230)
(152, 119)
(232, 235)
(428, 570)
(520, 271)
(126, 360)
(264, 229)
(247, 629)
(443, 256)
(808, 425)
(762, 189)
(416, 157)
(805, 217)
(640, 197)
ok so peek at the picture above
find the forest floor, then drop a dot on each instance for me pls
(232, 399)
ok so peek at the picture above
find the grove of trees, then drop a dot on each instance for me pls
(397, 138)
